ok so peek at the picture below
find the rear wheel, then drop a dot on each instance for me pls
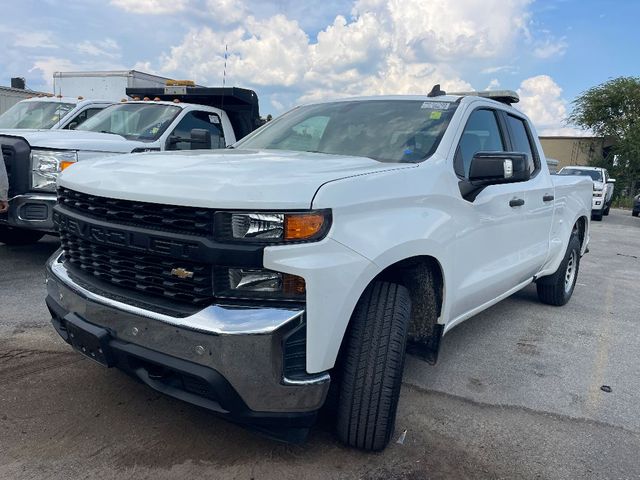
(372, 367)
(19, 236)
(557, 289)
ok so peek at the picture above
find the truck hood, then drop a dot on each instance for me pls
(76, 140)
(230, 179)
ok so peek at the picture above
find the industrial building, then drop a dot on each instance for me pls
(9, 96)
(575, 150)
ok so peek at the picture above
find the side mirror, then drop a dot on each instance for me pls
(73, 126)
(611, 180)
(490, 168)
(200, 139)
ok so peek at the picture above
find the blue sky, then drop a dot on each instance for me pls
(291, 52)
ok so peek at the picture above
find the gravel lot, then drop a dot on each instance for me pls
(516, 394)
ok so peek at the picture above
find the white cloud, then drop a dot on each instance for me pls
(550, 48)
(541, 99)
(151, 7)
(499, 69)
(34, 40)
(107, 48)
(494, 84)
(226, 11)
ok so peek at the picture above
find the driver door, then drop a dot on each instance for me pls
(489, 240)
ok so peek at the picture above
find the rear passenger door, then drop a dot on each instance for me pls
(538, 196)
(490, 238)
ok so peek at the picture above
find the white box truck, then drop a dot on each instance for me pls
(106, 85)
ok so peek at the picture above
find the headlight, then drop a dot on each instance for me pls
(47, 164)
(257, 283)
(272, 227)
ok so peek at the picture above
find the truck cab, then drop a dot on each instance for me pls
(166, 119)
(50, 113)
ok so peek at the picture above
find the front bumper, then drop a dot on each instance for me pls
(33, 211)
(227, 359)
(597, 204)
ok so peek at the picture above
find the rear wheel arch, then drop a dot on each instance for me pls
(580, 230)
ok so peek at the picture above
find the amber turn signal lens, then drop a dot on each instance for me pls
(64, 165)
(302, 226)
(292, 285)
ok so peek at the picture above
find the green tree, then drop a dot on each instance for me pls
(612, 109)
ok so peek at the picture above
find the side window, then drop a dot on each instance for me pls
(203, 120)
(83, 116)
(522, 142)
(481, 134)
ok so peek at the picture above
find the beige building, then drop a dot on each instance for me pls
(10, 96)
(574, 150)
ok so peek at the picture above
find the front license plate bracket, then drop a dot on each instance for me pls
(90, 340)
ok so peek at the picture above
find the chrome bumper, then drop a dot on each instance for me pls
(33, 211)
(243, 344)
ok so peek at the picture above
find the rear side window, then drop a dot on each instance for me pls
(481, 134)
(82, 116)
(521, 141)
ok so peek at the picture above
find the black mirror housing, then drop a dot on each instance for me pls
(200, 139)
(490, 168)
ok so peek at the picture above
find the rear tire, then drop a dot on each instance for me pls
(557, 289)
(19, 236)
(372, 368)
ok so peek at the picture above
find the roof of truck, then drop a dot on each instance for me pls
(72, 100)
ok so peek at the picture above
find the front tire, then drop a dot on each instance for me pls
(19, 236)
(635, 213)
(373, 363)
(606, 210)
(597, 216)
(557, 289)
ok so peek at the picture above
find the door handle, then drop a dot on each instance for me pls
(547, 198)
(516, 202)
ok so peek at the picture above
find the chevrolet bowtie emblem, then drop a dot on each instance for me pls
(181, 273)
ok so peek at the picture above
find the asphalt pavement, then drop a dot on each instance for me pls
(517, 393)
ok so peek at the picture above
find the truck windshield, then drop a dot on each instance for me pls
(134, 121)
(595, 175)
(37, 115)
(383, 130)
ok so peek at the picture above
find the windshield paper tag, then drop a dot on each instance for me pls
(436, 105)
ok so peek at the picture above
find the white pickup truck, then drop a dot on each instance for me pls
(603, 186)
(34, 158)
(50, 113)
(312, 254)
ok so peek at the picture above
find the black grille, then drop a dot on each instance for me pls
(149, 274)
(185, 220)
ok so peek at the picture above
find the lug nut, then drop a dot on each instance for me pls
(200, 350)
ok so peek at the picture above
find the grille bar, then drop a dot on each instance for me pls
(150, 274)
(184, 220)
